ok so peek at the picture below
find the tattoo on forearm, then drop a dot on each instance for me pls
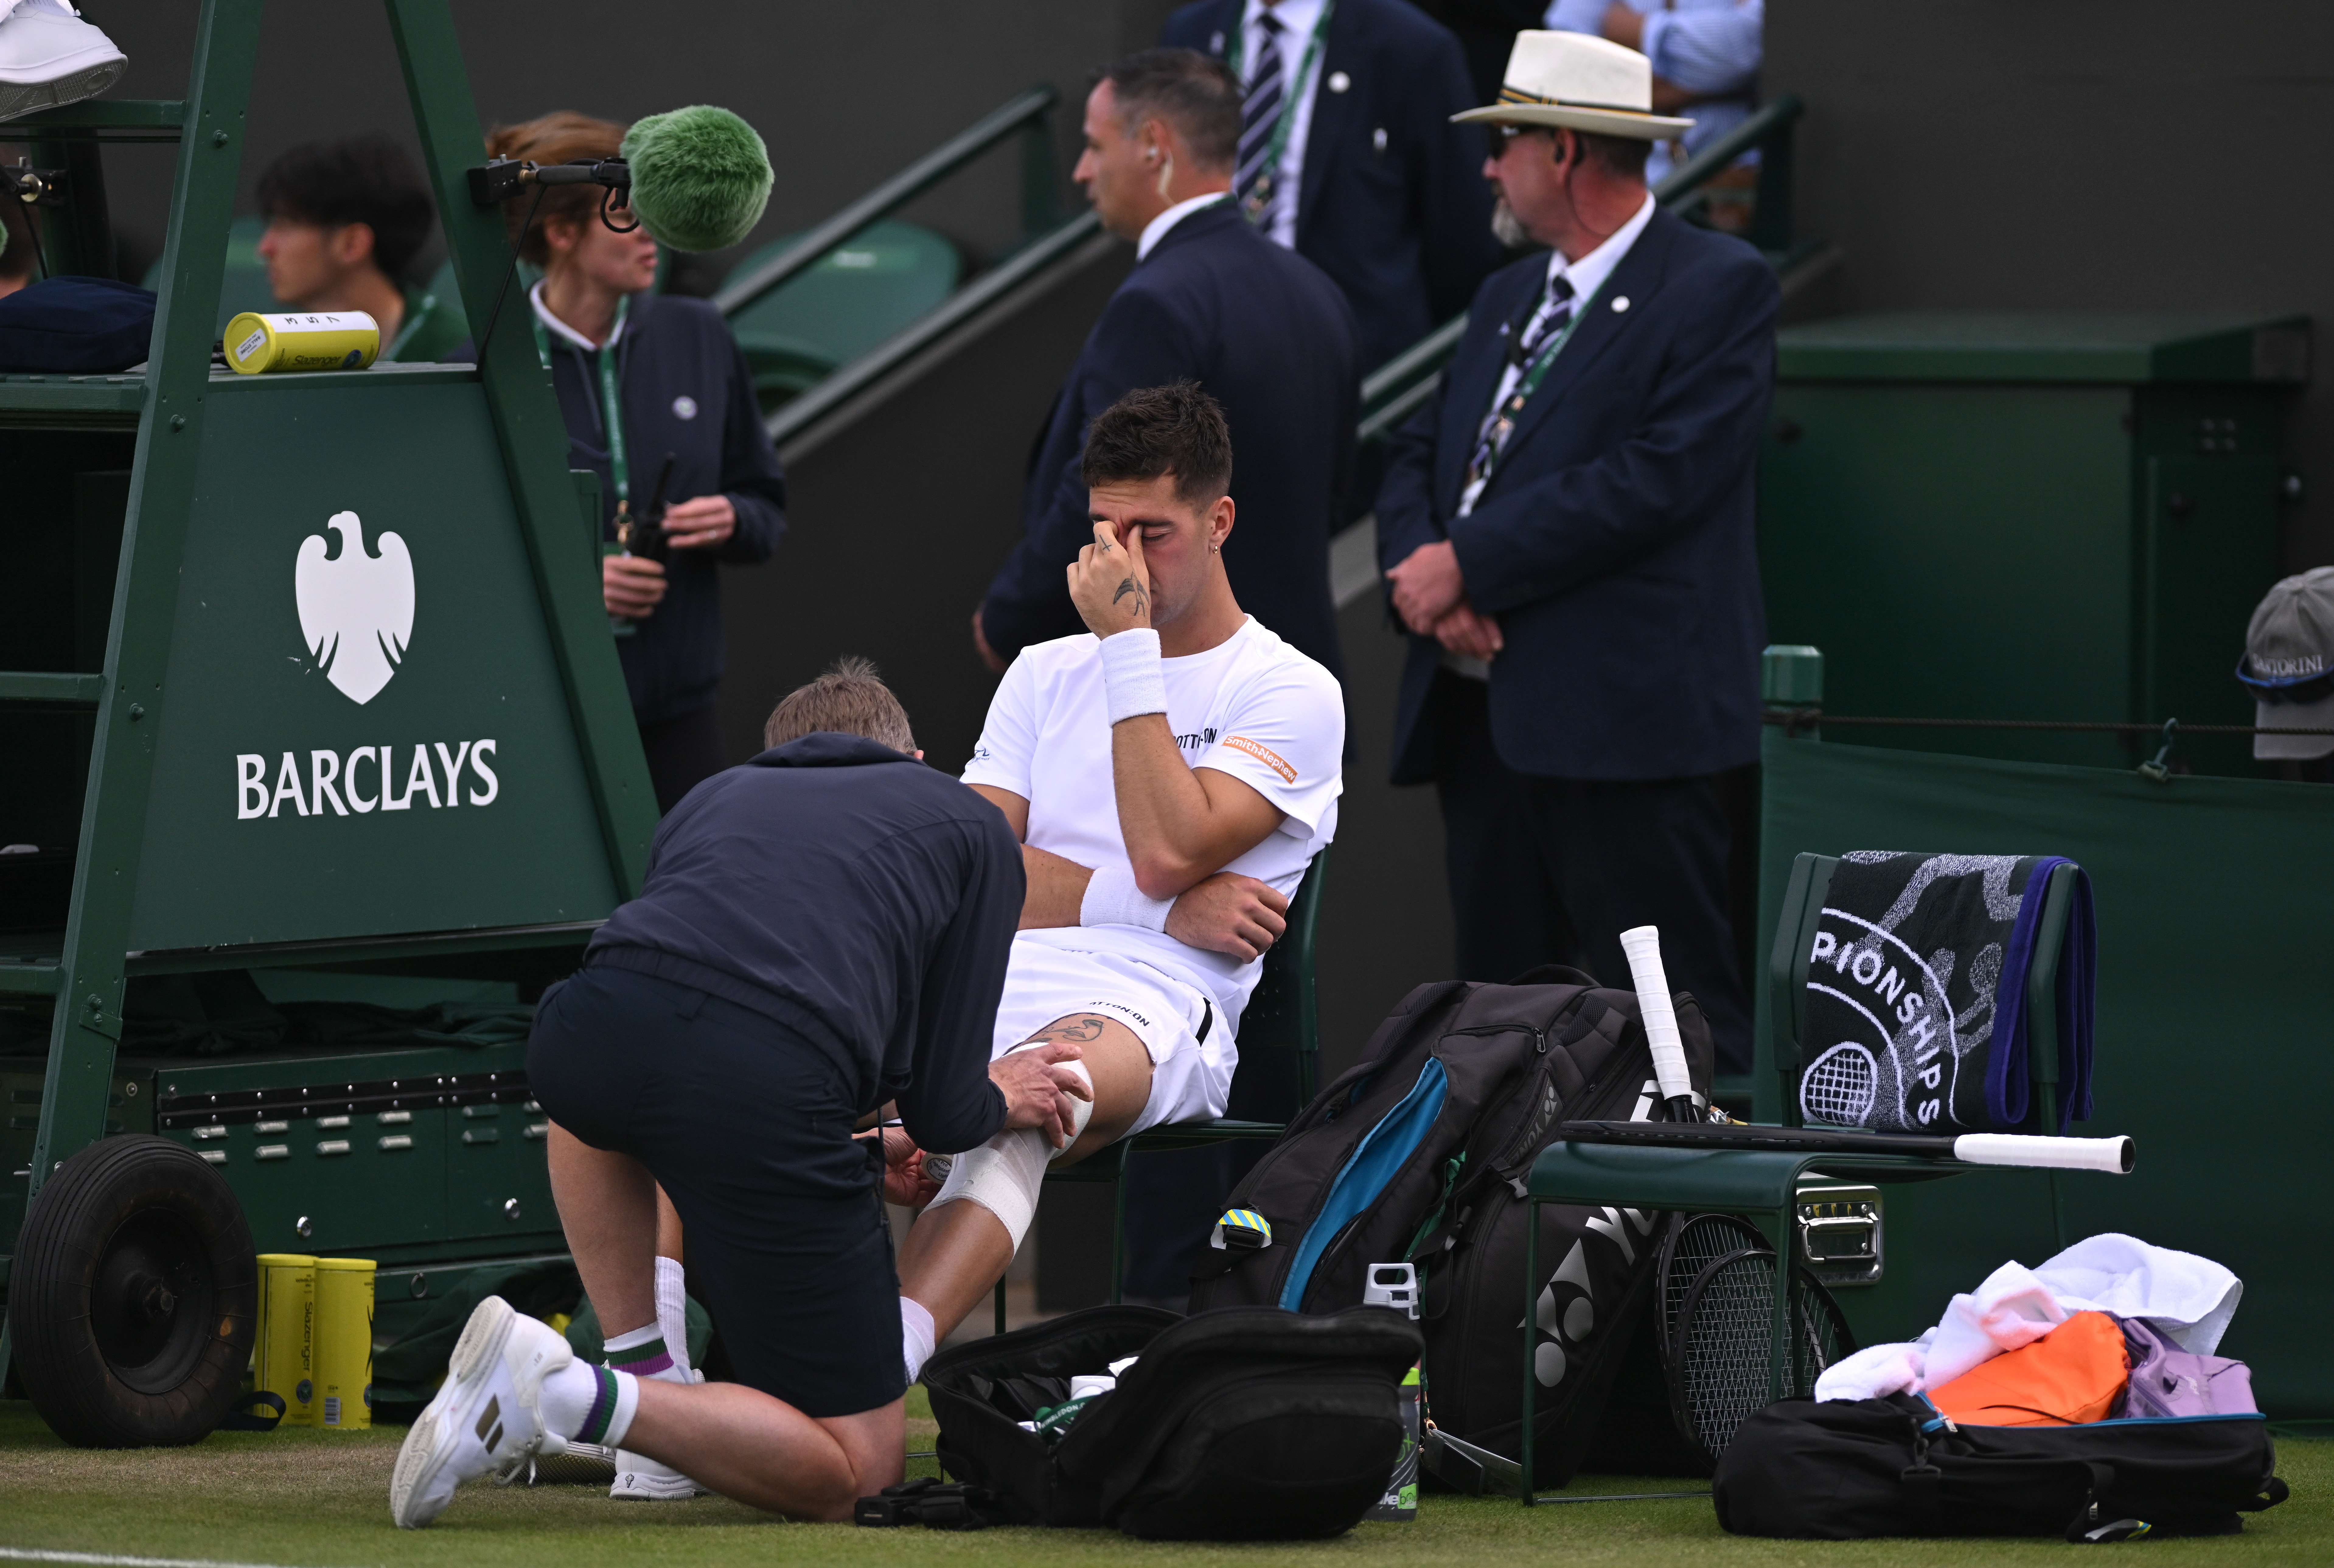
(1078, 1031)
(1129, 585)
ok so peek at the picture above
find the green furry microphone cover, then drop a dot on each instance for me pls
(700, 177)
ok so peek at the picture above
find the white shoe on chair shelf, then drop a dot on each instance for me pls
(488, 1419)
(50, 57)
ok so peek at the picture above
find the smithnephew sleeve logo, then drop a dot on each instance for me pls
(356, 610)
(1263, 753)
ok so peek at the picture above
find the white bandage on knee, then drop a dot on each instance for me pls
(1081, 1110)
(1003, 1175)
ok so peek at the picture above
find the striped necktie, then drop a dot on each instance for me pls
(1251, 179)
(1524, 346)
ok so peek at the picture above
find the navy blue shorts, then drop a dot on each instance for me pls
(748, 1128)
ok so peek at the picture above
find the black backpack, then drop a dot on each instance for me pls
(1420, 1152)
(1246, 1425)
(1852, 1469)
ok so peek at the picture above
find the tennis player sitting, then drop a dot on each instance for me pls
(1169, 775)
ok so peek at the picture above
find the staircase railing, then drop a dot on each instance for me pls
(1045, 238)
(1027, 114)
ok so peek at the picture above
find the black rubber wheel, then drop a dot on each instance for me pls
(134, 1296)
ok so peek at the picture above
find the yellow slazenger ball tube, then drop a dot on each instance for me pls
(304, 341)
(344, 1344)
(282, 1359)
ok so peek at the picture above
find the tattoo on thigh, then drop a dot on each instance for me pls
(1077, 1031)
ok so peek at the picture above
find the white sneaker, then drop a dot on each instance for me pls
(488, 1417)
(49, 56)
(582, 1465)
(641, 1479)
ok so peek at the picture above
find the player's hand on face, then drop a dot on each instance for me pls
(1230, 913)
(1037, 1092)
(1108, 583)
(631, 584)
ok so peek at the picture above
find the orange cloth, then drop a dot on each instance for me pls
(2070, 1375)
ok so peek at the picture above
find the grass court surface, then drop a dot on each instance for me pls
(303, 1497)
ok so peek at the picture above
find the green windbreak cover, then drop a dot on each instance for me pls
(2214, 1049)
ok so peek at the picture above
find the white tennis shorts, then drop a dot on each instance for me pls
(1190, 1078)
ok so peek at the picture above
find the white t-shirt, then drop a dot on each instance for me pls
(1251, 707)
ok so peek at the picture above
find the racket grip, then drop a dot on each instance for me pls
(1642, 944)
(2116, 1156)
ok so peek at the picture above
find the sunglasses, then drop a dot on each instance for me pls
(1507, 134)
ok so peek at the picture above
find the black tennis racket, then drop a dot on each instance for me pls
(1692, 1243)
(1722, 1341)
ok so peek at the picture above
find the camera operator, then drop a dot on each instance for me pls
(657, 401)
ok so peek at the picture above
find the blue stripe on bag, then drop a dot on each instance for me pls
(1366, 1173)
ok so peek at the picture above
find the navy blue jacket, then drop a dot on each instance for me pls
(674, 354)
(1617, 542)
(1268, 337)
(1392, 202)
(859, 898)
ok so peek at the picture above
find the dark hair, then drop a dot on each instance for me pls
(850, 699)
(1194, 92)
(561, 136)
(1175, 429)
(367, 178)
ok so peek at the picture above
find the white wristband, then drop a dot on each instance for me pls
(1113, 898)
(1132, 683)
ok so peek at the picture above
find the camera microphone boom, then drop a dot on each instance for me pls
(696, 178)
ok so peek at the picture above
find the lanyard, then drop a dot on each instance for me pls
(611, 411)
(1260, 196)
(1506, 414)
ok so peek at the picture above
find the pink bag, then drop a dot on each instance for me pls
(2166, 1381)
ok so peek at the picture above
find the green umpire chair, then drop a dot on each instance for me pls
(1762, 1185)
(1282, 1015)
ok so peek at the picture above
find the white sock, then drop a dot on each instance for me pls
(917, 1340)
(673, 1311)
(645, 1352)
(589, 1404)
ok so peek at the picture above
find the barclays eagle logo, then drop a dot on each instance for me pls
(356, 611)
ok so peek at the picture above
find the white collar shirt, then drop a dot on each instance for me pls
(553, 324)
(1588, 277)
(1298, 19)
(1156, 229)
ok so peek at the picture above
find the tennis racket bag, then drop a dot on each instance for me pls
(1420, 1152)
(1851, 1470)
(1251, 1424)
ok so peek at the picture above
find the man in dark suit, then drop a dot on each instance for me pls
(1262, 330)
(1567, 532)
(1349, 155)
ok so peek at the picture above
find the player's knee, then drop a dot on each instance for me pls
(1002, 1176)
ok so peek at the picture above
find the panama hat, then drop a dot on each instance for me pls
(1587, 84)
